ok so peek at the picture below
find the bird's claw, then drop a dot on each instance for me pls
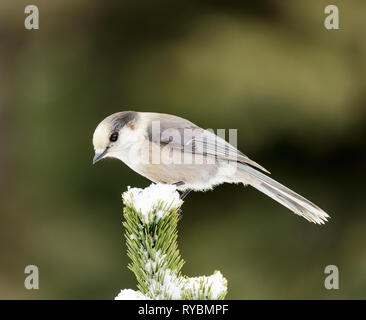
(180, 214)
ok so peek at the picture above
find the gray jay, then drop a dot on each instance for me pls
(169, 149)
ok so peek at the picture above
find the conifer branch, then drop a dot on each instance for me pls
(150, 222)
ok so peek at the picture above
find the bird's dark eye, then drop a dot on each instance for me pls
(113, 137)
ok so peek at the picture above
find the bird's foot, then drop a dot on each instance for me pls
(180, 214)
(182, 197)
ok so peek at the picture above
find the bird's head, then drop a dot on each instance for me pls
(111, 135)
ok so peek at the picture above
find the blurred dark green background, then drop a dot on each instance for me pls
(294, 90)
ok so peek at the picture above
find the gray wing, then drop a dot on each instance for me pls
(178, 133)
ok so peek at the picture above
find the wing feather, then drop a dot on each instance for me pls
(180, 134)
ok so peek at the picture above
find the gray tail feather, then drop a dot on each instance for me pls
(283, 195)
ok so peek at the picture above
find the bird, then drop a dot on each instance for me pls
(169, 149)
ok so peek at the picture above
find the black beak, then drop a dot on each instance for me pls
(99, 156)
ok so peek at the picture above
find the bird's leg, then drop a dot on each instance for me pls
(185, 193)
(182, 196)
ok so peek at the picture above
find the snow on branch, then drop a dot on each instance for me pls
(151, 236)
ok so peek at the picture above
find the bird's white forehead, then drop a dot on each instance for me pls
(101, 136)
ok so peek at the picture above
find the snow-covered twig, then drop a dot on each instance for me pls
(151, 235)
